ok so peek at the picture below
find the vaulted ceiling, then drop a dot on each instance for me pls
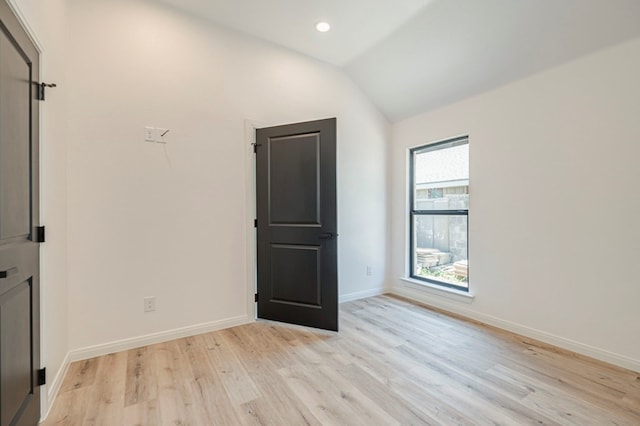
(411, 56)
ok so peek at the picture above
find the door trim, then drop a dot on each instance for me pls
(30, 32)
(251, 240)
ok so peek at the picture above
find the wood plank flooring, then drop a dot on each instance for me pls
(393, 362)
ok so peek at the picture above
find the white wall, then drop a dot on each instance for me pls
(554, 204)
(173, 221)
(45, 22)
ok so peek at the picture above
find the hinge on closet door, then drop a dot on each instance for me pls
(42, 376)
(39, 237)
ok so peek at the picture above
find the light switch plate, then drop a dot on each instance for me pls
(149, 134)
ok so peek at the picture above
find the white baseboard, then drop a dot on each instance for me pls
(581, 348)
(52, 389)
(362, 294)
(150, 339)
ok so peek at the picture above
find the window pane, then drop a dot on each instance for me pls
(440, 248)
(441, 178)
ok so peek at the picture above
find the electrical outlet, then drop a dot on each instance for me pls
(368, 271)
(150, 304)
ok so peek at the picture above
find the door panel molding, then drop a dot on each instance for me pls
(285, 170)
(300, 263)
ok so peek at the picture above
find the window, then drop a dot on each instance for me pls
(439, 213)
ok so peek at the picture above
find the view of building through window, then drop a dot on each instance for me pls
(439, 215)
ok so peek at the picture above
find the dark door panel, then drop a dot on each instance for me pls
(297, 222)
(292, 265)
(14, 157)
(19, 254)
(15, 363)
(294, 180)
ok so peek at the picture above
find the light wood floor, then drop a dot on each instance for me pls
(393, 362)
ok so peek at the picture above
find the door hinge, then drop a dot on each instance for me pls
(39, 234)
(42, 376)
(255, 147)
(256, 297)
(41, 88)
(255, 223)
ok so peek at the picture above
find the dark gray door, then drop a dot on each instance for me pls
(19, 259)
(296, 209)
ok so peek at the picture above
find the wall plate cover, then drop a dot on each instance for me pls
(162, 135)
(149, 134)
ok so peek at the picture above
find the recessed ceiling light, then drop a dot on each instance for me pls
(323, 27)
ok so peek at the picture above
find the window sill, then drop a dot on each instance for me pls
(450, 293)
